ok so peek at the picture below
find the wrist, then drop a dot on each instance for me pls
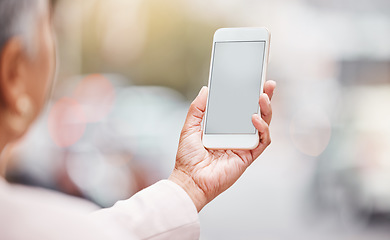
(186, 182)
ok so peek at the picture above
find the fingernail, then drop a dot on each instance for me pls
(202, 90)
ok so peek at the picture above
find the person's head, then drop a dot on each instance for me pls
(27, 63)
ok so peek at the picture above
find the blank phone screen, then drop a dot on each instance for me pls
(234, 87)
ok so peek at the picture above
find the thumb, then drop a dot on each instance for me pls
(196, 111)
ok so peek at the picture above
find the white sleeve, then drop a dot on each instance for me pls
(161, 211)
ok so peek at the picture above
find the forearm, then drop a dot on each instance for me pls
(161, 211)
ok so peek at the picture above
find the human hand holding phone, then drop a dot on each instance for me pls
(204, 173)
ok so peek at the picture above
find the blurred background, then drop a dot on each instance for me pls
(130, 68)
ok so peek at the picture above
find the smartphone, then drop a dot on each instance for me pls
(237, 75)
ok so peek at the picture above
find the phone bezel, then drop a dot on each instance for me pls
(236, 141)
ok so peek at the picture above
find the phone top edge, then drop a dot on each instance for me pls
(238, 28)
(242, 34)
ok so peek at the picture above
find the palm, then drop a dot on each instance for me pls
(213, 171)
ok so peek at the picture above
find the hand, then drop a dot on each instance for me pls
(203, 173)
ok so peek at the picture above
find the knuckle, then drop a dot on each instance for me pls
(267, 113)
(192, 106)
(266, 110)
(269, 109)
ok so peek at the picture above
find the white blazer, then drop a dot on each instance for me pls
(161, 211)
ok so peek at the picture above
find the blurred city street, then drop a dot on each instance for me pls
(130, 69)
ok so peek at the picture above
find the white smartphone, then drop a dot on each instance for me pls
(237, 74)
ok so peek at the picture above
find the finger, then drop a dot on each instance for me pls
(265, 108)
(269, 88)
(264, 135)
(196, 111)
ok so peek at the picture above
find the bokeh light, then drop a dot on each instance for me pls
(310, 130)
(96, 96)
(66, 122)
